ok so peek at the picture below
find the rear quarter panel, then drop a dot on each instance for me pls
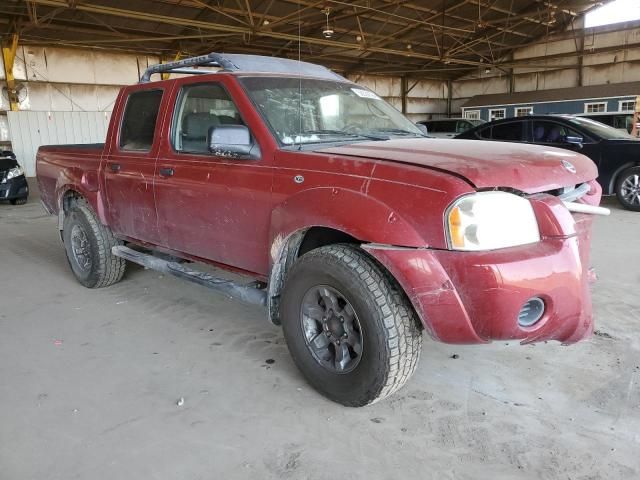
(62, 168)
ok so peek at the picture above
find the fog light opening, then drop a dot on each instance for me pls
(531, 312)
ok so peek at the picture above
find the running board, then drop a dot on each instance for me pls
(248, 293)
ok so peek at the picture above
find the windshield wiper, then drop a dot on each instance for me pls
(370, 136)
(399, 131)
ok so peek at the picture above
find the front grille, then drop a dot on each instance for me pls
(570, 193)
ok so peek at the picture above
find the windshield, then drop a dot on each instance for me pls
(475, 121)
(303, 110)
(600, 130)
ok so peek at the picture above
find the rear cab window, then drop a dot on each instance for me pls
(139, 120)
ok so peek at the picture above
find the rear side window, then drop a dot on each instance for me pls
(509, 132)
(139, 120)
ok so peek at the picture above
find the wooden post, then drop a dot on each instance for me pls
(8, 58)
(404, 91)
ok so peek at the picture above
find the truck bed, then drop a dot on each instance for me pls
(60, 165)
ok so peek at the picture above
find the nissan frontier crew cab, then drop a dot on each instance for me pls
(353, 229)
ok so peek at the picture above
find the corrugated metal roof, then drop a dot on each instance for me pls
(428, 39)
(555, 95)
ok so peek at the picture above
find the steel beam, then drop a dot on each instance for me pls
(153, 17)
(8, 59)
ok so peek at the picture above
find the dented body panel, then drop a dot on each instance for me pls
(252, 215)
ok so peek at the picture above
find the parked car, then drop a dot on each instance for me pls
(449, 127)
(619, 121)
(355, 230)
(616, 153)
(13, 183)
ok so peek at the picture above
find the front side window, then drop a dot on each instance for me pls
(139, 120)
(552, 132)
(201, 106)
(305, 110)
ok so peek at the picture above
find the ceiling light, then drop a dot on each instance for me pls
(327, 31)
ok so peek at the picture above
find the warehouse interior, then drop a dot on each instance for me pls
(156, 378)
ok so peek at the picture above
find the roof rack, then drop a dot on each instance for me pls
(239, 62)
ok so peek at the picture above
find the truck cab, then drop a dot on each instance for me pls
(355, 230)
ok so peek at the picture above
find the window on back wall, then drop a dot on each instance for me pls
(523, 111)
(626, 105)
(496, 113)
(595, 107)
(472, 114)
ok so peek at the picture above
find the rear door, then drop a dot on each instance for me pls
(212, 206)
(129, 168)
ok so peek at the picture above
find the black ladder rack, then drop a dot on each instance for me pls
(181, 66)
(239, 62)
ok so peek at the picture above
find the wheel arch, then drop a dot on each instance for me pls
(288, 249)
(68, 194)
(317, 217)
(614, 177)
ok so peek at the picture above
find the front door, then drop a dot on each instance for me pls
(129, 167)
(210, 206)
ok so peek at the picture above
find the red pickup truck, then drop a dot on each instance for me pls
(355, 230)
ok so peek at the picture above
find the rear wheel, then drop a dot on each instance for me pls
(348, 326)
(88, 246)
(628, 189)
(18, 201)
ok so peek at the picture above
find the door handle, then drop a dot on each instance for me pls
(166, 172)
(115, 167)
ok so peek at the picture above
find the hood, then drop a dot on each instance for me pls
(528, 168)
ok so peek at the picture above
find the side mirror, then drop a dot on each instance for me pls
(577, 141)
(229, 141)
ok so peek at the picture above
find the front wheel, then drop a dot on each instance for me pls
(628, 189)
(348, 326)
(88, 246)
(18, 201)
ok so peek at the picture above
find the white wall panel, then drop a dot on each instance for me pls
(30, 130)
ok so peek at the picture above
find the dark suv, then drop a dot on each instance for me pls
(449, 127)
(616, 153)
(13, 184)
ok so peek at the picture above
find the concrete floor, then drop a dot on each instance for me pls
(89, 381)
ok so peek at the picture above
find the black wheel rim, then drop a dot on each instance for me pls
(80, 248)
(630, 189)
(331, 329)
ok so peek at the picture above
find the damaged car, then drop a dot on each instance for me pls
(354, 230)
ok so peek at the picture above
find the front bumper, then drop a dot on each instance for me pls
(15, 188)
(475, 297)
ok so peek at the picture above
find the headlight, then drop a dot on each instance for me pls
(491, 220)
(14, 172)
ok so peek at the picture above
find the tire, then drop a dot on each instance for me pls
(628, 189)
(380, 315)
(18, 201)
(92, 263)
